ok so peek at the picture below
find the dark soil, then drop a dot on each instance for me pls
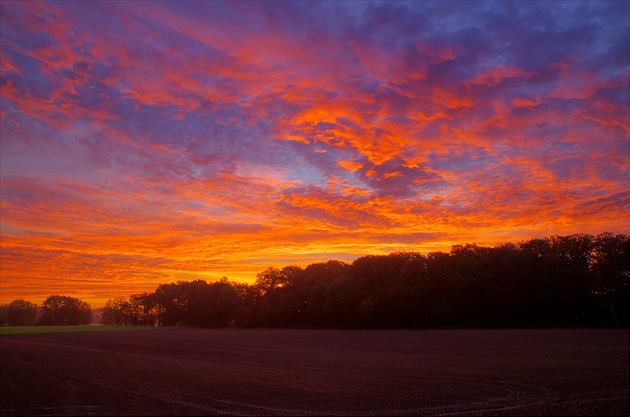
(317, 372)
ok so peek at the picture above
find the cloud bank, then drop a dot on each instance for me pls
(148, 142)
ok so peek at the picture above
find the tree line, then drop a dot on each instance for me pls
(576, 280)
(56, 310)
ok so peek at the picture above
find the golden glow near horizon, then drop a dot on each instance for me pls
(148, 143)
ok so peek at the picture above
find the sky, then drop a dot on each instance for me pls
(148, 142)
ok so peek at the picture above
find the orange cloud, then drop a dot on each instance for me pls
(351, 165)
(193, 140)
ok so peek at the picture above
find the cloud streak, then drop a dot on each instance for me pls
(145, 143)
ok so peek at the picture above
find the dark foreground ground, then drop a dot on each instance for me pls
(317, 372)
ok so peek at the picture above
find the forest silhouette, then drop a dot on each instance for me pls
(579, 280)
(576, 280)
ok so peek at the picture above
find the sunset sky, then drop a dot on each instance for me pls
(149, 142)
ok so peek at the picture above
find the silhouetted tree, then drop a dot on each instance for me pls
(210, 305)
(341, 303)
(170, 302)
(610, 281)
(227, 304)
(199, 298)
(503, 279)
(468, 265)
(315, 301)
(246, 297)
(21, 313)
(572, 258)
(540, 286)
(272, 278)
(374, 276)
(311, 286)
(441, 296)
(115, 312)
(277, 303)
(410, 293)
(142, 310)
(3, 314)
(64, 310)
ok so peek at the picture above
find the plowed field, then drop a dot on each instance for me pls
(317, 372)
